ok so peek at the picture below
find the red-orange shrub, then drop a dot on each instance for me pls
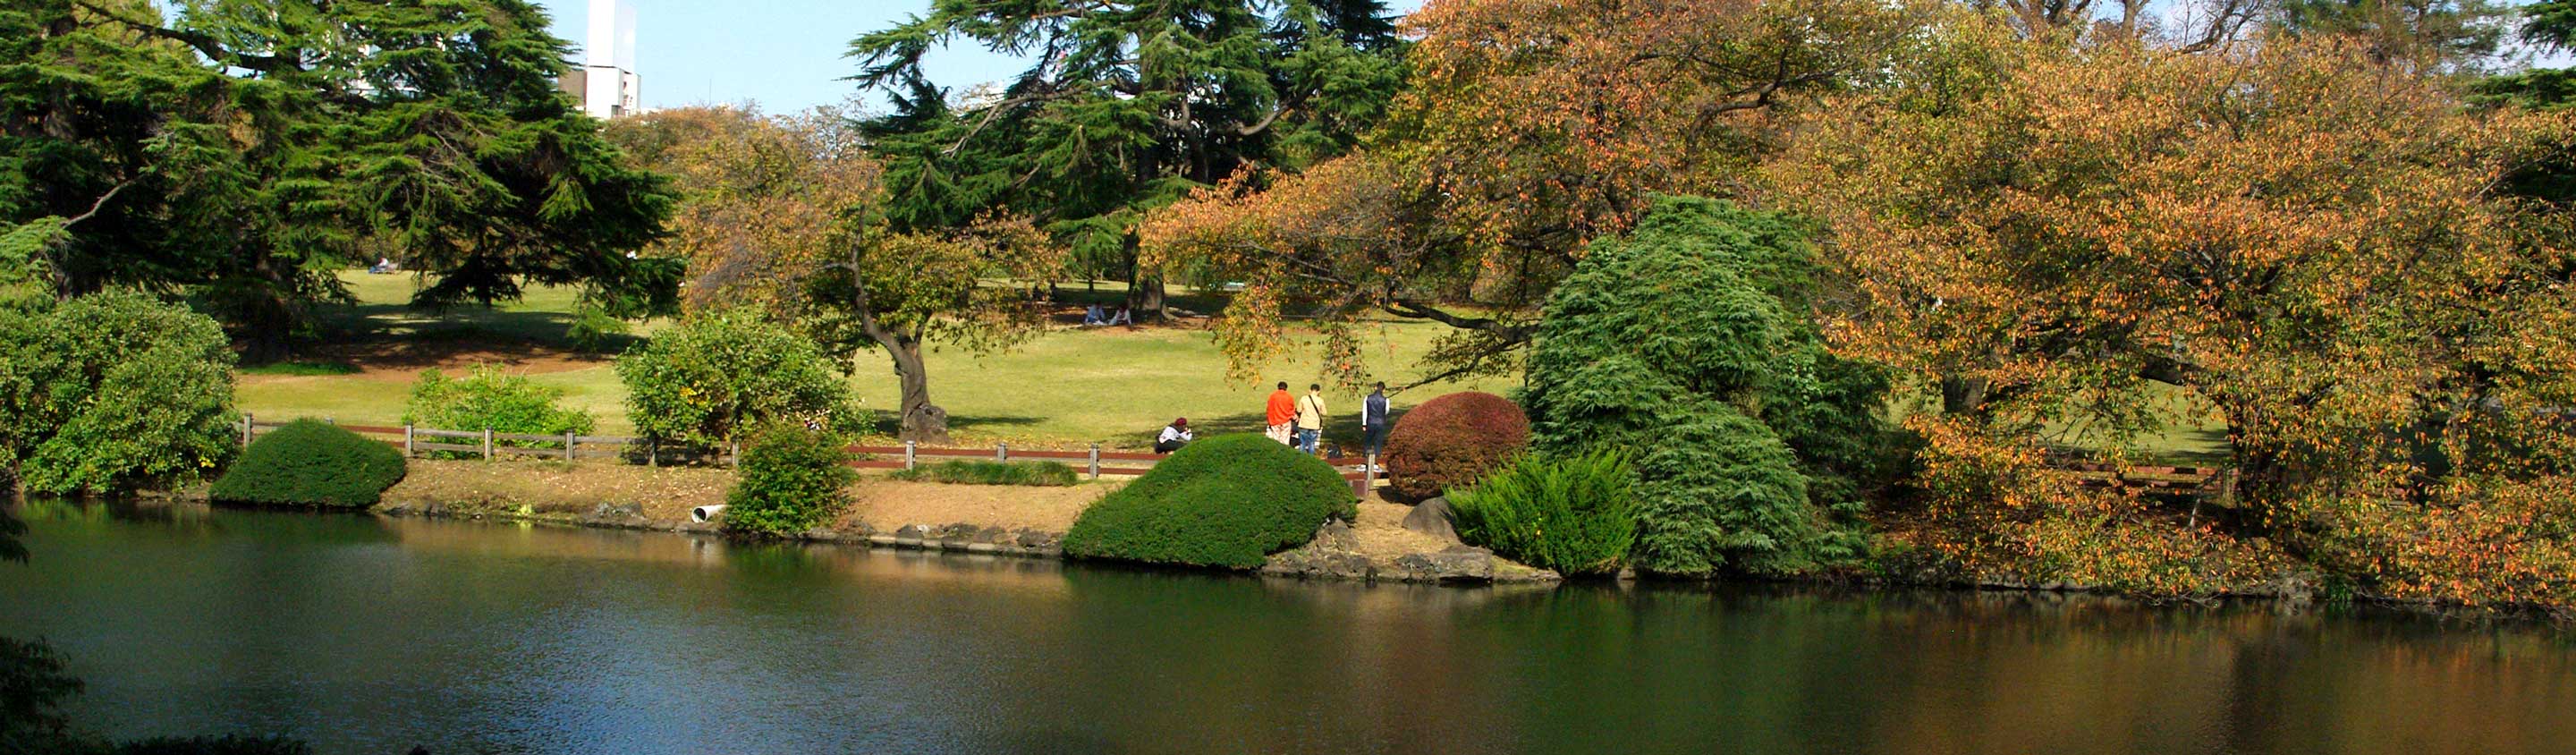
(1450, 441)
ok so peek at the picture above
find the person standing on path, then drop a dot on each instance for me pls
(1310, 418)
(1282, 414)
(1373, 424)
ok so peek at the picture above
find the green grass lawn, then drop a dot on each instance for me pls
(1063, 389)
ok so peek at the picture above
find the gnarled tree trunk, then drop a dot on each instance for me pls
(923, 422)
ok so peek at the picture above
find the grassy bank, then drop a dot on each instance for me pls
(1068, 387)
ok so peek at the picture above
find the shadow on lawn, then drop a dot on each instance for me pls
(883, 422)
(395, 337)
(2205, 447)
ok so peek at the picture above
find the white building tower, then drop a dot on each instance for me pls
(607, 85)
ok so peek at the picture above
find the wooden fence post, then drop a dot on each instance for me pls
(652, 452)
(907, 454)
(1001, 452)
(737, 453)
(568, 440)
(408, 452)
(246, 429)
(1095, 461)
(1368, 474)
(487, 444)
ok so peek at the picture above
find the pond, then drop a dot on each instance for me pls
(369, 635)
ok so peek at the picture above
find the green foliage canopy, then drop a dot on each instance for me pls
(1128, 106)
(243, 150)
(112, 392)
(716, 375)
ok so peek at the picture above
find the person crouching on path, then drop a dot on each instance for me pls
(1310, 419)
(1173, 436)
(1282, 414)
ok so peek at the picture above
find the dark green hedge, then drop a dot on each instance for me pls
(309, 463)
(970, 472)
(1228, 501)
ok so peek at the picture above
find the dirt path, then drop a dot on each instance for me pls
(887, 505)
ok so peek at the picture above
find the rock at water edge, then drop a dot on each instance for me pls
(1431, 517)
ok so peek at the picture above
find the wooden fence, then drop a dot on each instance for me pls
(1092, 461)
(485, 443)
(490, 445)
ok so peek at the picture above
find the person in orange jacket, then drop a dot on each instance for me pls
(1282, 415)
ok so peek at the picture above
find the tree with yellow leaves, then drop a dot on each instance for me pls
(2316, 245)
(786, 215)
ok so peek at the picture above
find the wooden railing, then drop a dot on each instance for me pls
(488, 444)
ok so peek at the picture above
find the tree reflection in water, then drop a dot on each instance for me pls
(356, 631)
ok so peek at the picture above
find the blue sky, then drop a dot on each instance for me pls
(783, 54)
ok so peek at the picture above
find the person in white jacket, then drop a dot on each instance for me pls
(1173, 436)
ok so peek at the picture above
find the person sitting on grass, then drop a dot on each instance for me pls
(1173, 436)
(1094, 315)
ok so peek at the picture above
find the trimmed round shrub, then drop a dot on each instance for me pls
(1450, 441)
(1574, 515)
(790, 480)
(1228, 501)
(971, 472)
(310, 463)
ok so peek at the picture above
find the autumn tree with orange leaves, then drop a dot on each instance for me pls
(785, 214)
(2316, 247)
(762, 198)
(1529, 128)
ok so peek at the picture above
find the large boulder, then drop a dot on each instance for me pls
(1431, 517)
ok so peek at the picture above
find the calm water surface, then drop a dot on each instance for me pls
(368, 636)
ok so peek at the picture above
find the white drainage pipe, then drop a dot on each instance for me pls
(703, 513)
